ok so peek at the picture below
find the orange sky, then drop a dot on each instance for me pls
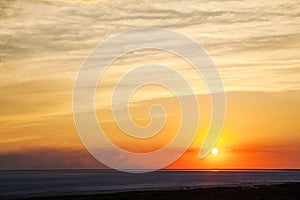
(255, 47)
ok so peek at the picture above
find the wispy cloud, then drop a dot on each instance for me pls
(53, 37)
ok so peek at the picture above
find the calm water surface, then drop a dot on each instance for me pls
(61, 182)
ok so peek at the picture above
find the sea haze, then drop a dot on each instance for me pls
(65, 182)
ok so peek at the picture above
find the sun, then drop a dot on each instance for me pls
(215, 151)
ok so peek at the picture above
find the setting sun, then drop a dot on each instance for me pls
(215, 151)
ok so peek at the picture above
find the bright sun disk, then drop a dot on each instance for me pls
(214, 151)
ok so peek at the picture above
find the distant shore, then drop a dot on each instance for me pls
(273, 191)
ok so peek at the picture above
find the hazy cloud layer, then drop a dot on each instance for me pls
(51, 38)
(255, 45)
(48, 158)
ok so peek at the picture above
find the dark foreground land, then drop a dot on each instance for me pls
(278, 191)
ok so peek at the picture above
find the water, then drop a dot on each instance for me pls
(63, 182)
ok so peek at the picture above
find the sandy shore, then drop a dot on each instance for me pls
(277, 191)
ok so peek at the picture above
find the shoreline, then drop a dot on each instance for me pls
(250, 191)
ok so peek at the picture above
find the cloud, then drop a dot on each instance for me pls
(53, 37)
(48, 158)
(51, 158)
(19, 139)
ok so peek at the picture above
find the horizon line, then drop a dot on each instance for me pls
(212, 169)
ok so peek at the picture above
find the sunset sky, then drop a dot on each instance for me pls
(255, 45)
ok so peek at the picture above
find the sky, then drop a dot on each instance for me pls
(255, 46)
